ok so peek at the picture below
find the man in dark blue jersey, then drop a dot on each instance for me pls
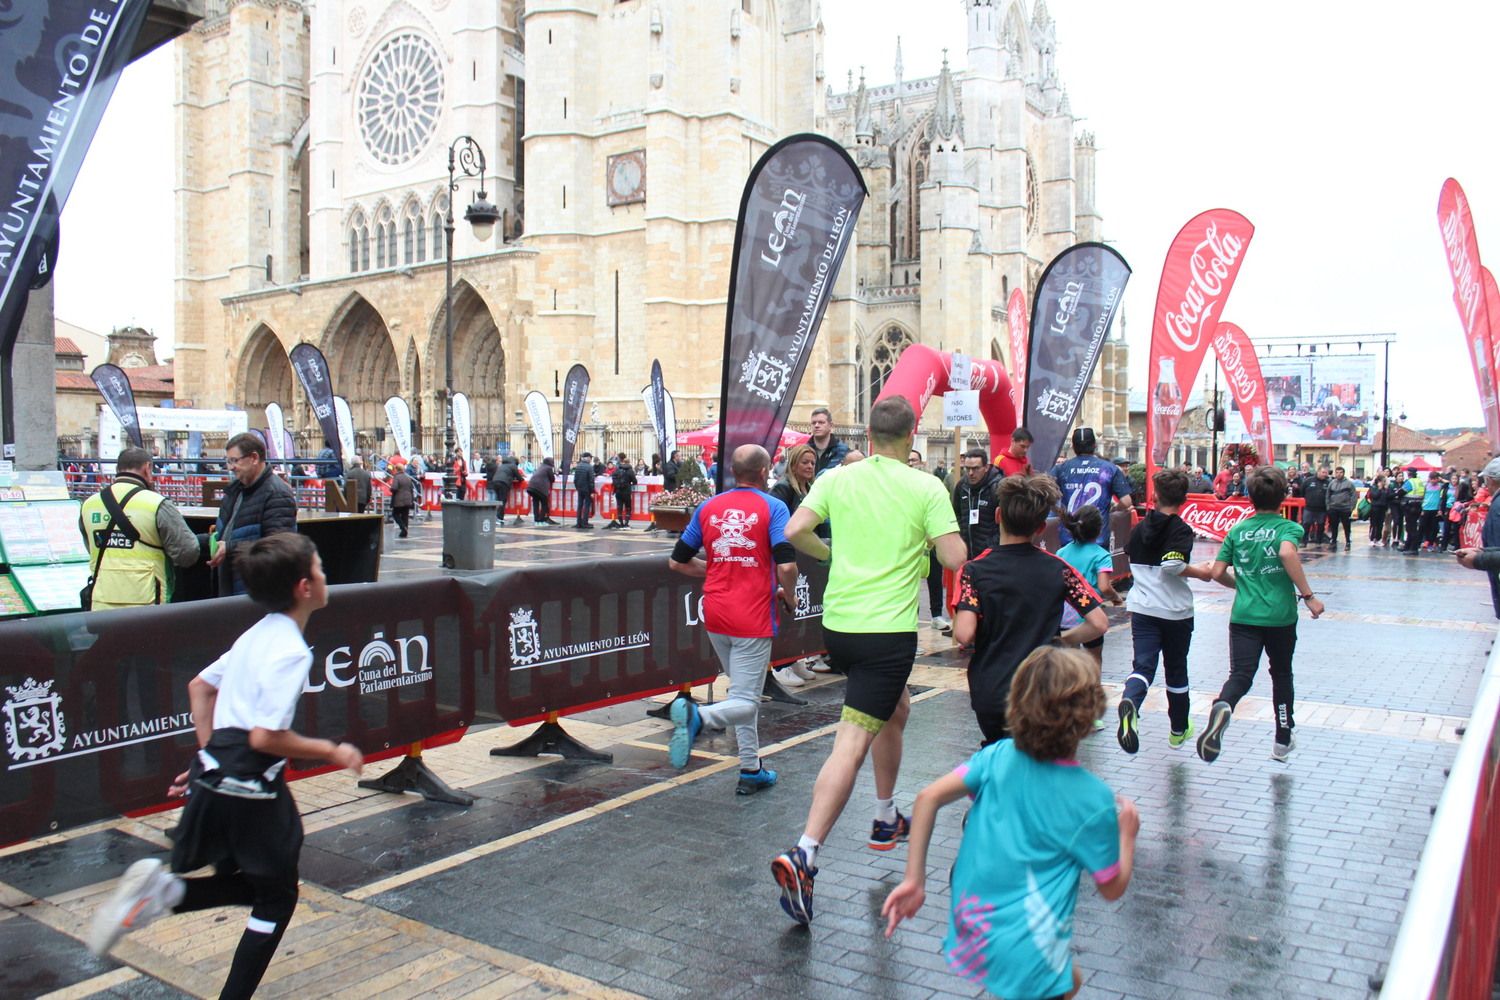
(1088, 479)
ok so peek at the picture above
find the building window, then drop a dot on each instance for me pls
(359, 243)
(439, 210)
(413, 234)
(400, 98)
(887, 350)
(385, 238)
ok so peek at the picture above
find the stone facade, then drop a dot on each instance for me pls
(314, 142)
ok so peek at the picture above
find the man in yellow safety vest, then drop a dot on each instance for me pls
(135, 536)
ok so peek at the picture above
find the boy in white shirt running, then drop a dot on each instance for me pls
(240, 817)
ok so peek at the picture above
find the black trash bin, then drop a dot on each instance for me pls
(469, 534)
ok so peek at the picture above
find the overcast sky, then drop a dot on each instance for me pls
(1330, 125)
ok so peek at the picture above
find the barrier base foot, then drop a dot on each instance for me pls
(665, 711)
(777, 692)
(412, 775)
(551, 738)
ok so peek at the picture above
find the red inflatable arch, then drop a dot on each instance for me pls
(922, 373)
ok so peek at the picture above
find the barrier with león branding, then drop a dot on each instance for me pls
(95, 708)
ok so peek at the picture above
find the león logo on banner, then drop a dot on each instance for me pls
(527, 650)
(36, 732)
(33, 721)
(766, 376)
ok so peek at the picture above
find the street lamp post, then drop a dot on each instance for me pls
(465, 158)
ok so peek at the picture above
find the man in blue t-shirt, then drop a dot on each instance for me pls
(1087, 479)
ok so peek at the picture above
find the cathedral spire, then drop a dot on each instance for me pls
(1039, 15)
(899, 66)
(864, 124)
(947, 120)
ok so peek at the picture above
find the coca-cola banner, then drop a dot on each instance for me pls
(1462, 249)
(539, 412)
(312, 371)
(575, 394)
(1492, 306)
(1242, 370)
(1196, 279)
(1016, 318)
(1075, 304)
(797, 219)
(114, 386)
(1211, 517)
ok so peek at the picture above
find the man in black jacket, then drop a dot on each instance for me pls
(974, 501)
(624, 485)
(539, 488)
(1315, 496)
(583, 482)
(256, 503)
(669, 472)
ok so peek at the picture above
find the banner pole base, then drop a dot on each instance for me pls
(777, 692)
(665, 711)
(413, 775)
(551, 738)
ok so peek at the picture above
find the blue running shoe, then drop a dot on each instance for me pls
(884, 836)
(687, 723)
(754, 781)
(796, 880)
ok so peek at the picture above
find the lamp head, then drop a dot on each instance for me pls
(482, 216)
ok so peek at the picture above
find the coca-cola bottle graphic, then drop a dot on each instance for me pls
(1168, 410)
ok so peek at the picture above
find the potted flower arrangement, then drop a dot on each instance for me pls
(672, 509)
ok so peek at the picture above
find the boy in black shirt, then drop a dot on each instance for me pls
(1010, 600)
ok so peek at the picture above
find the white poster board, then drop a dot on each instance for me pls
(961, 408)
(155, 418)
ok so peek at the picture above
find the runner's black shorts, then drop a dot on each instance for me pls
(878, 665)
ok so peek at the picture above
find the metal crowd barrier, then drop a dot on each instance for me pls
(98, 720)
(182, 480)
(1446, 945)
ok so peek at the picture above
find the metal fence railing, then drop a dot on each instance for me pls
(182, 480)
(1446, 945)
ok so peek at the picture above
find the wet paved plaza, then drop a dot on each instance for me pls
(1253, 879)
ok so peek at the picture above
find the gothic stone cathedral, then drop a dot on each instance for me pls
(618, 135)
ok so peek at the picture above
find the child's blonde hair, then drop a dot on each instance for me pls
(1055, 697)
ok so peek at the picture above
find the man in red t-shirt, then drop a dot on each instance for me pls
(1013, 460)
(743, 532)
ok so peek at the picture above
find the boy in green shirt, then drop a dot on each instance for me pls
(1259, 561)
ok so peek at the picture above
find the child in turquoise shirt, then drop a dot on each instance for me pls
(1038, 820)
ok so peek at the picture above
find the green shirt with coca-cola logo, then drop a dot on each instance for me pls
(1263, 592)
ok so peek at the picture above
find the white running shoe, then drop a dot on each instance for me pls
(820, 665)
(800, 669)
(146, 891)
(787, 678)
(943, 624)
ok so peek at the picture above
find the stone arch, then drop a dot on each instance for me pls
(478, 364)
(877, 358)
(265, 376)
(362, 362)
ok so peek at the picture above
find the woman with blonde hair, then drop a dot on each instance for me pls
(801, 465)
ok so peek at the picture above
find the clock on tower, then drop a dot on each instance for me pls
(625, 178)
